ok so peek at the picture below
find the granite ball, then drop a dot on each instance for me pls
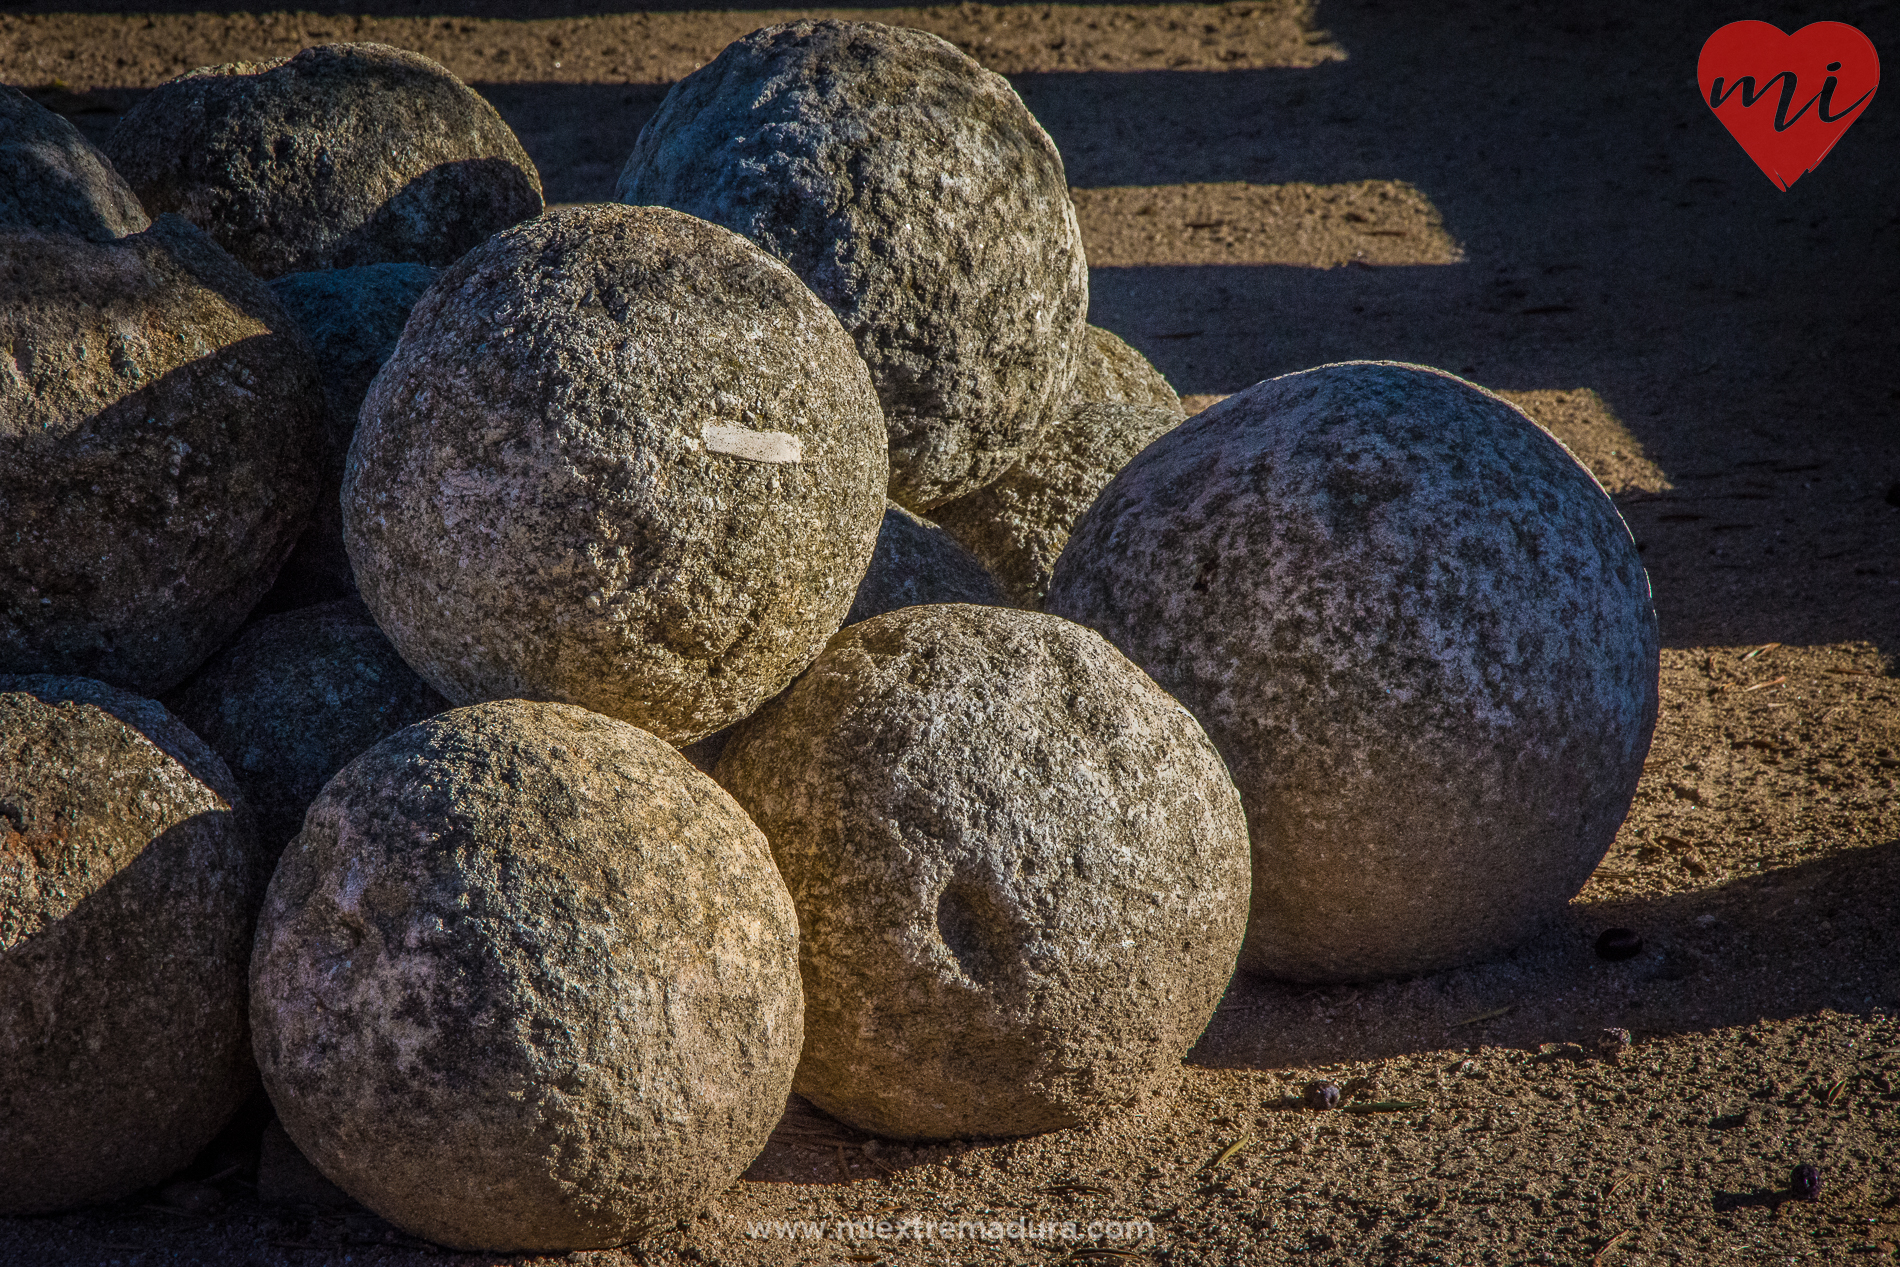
(54, 180)
(160, 422)
(128, 888)
(352, 318)
(1020, 869)
(916, 194)
(673, 491)
(293, 699)
(338, 156)
(1420, 635)
(527, 982)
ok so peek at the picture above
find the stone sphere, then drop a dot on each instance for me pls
(352, 318)
(128, 885)
(1419, 633)
(673, 490)
(342, 155)
(916, 194)
(160, 421)
(293, 699)
(1020, 870)
(52, 179)
(527, 981)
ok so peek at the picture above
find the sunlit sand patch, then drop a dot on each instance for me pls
(1590, 429)
(1315, 226)
(657, 48)
(1580, 418)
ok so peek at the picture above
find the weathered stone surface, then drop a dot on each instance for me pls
(343, 155)
(1020, 870)
(1019, 525)
(160, 421)
(915, 193)
(293, 699)
(352, 318)
(1421, 636)
(1109, 372)
(671, 497)
(128, 885)
(915, 562)
(527, 981)
(52, 179)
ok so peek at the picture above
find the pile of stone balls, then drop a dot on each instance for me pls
(452, 532)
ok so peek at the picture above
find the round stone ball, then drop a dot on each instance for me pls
(52, 179)
(1421, 636)
(293, 699)
(352, 318)
(342, 155)
(1020, 870)
(671, 497)
(160, 421)
(916, 194)
(527, 982)
(128, 886)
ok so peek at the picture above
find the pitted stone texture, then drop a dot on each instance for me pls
(1019, 525)
(352, 318)
(916, 194)
(1109, 372)
(128, 887)
(293, 699)
(52, 179)
(160, 421)
(1020, 870)
(1422, 638)
(527, 981)
(343, 155)
(596, 539)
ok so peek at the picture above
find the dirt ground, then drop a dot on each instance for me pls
(1531, 195)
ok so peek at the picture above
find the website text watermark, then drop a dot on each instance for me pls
(921, 1229)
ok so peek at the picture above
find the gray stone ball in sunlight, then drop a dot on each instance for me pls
(1420, 634)
(1020, 871)
(914, 192)
(527, 982)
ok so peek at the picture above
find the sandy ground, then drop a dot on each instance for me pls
(1530, 195)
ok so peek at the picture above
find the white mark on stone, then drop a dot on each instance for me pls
(753, 446)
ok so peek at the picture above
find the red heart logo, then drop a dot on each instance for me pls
(1787, 98)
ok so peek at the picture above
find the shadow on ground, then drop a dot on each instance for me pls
(1776, 945)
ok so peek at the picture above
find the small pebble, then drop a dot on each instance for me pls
(1612, 1043)
(1322, 1095)
(1805, 1184)
(1617, 944)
